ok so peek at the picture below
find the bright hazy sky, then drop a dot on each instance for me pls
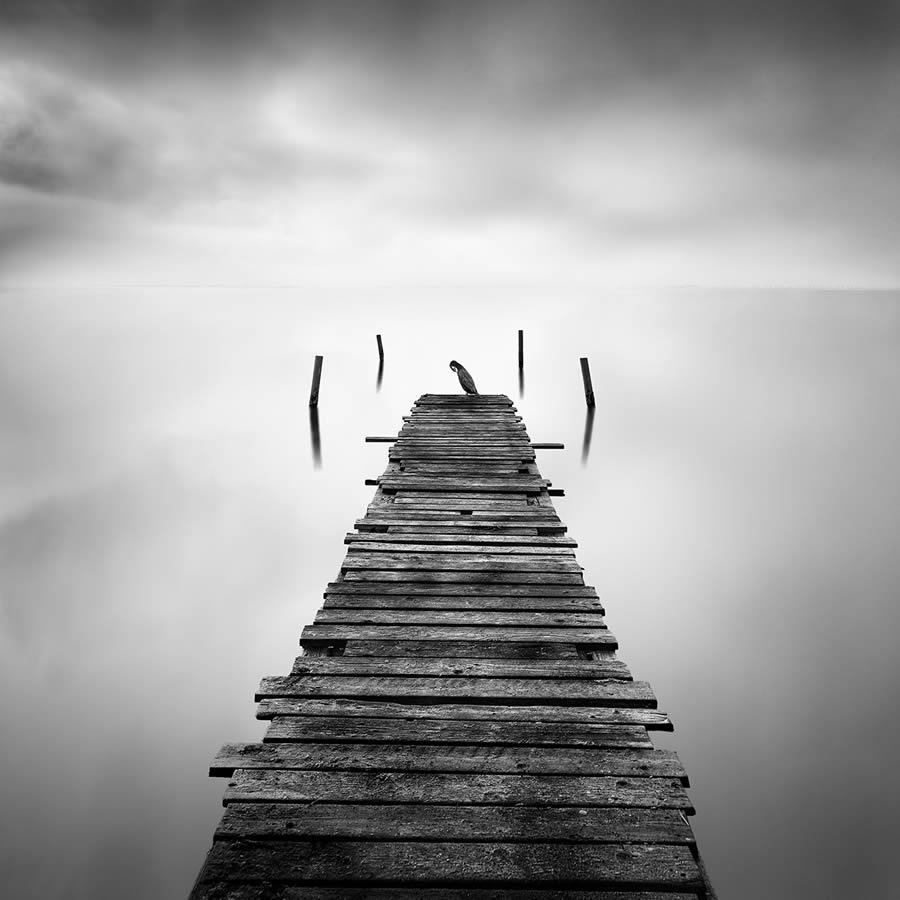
(593, 142)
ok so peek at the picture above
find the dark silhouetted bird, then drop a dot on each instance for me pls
(465, 379)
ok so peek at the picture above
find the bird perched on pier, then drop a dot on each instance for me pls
(465, 379)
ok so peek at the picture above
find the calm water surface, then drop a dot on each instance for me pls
(165, 533)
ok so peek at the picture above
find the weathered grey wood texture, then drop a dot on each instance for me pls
(458, 725)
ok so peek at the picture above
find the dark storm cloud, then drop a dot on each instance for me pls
(62, 135)
(56, 140)
(842, 20)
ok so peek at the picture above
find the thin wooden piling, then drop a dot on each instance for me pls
(316, 378)
(521, 349)
(380, 347)
(586, 378)
(458, 724)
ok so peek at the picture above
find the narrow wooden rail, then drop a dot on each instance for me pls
(458, 724)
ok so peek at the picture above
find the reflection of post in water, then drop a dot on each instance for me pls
(588, 432)
(315, 437)
(380, 375)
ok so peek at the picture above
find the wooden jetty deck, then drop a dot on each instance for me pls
(458, 725)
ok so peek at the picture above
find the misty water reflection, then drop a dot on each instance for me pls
(588, 432)
(315, 436)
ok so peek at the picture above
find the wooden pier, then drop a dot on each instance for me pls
(458, 725)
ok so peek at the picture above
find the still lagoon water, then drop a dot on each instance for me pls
(166, 531)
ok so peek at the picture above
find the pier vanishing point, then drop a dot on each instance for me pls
(458, 724)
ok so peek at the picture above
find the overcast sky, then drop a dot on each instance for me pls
(595, 142)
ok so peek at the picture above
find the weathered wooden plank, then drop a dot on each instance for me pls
(504, 438)
(488, 464)
(466, 539)
(412, 459)
(447, 690)
(490, 420)
(493, 506)
(529, 515)
(516, 521)
(424, 601)
(459, 467)
(341, 706)
(402, 529)
(440, 667)
(518, 619)
(489, 417)
(278, 757)
(458, 462)
(408, 441)
(462, 441)
(462, 649)
(288, 821)
(488, 444)
(462, 590)
(528, 484)
(461, 503)
(459, 567)
(457, 505)
(482, 549)
(482, 568)
(457, 444)
(417, 456)
(494, 500)
(447, 423)
(412, 433)
(323, 633)
(518, 488)
(404, 519)
(299, 786)
(654, 866)
(426, 450)
(218, 890)
(485, 422)
(521, 736)
(462, 576)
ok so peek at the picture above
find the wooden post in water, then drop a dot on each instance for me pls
(317, 377)
(521, 349)
(380, 347)
(586, 378)
(459, 670)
